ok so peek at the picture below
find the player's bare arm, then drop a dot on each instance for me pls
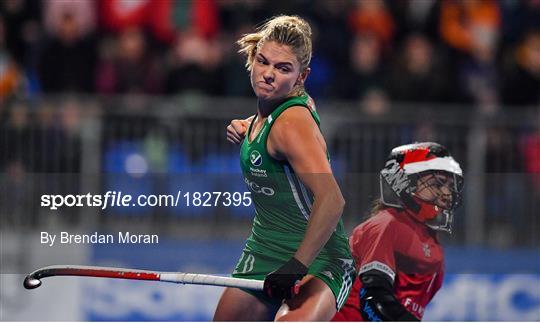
(237, 129)
(295, 137)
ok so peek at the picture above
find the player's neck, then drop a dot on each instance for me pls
(266, 107)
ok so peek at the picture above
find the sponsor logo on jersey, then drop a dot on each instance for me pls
(256, 188)
(377, 265)
(395, 176)
(426, 249)
(258, 172)
(417, 309)
(255, 158)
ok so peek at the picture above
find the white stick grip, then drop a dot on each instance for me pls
(200, 279)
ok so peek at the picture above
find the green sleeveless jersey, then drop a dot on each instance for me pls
(282, 203)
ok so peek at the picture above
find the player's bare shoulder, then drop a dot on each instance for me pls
(295, 118)
(295, 125)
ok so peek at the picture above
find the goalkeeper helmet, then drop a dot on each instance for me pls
(424, 180)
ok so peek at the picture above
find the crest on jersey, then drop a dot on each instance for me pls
(255, 158)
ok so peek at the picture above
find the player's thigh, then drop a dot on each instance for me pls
(315, 302)
(237, 305)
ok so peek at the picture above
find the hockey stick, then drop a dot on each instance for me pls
(33, 280)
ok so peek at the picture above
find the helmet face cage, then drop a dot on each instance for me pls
(434, 183)
(442, 222)
(398, 187)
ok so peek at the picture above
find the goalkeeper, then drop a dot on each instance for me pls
(397, 251)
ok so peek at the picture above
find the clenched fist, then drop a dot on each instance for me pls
(237, 129)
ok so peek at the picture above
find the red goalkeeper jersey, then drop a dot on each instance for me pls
(402, 248)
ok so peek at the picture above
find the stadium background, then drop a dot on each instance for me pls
(134, 96)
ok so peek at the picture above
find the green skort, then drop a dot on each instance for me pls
(338, 274)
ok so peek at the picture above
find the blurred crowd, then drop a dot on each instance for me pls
(472, 54)
(481, 52)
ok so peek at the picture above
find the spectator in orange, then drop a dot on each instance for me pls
(472, 28)
(464, 23)
(10, 76)
(372, 17)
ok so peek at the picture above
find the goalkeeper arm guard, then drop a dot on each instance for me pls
(377, 299)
